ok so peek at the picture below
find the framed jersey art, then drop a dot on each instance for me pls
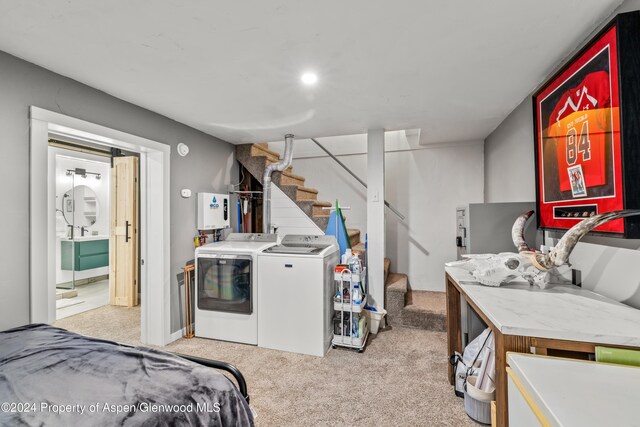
(587, 133)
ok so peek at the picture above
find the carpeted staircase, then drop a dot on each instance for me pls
(256, 157)
(405, 307)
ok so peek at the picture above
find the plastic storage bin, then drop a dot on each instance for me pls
(374, 318)
(477, 403)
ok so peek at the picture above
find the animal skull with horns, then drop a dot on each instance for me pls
(535, 267)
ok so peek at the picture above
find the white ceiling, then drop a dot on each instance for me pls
(454, 69)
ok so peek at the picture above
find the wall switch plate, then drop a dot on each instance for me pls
(185, 192)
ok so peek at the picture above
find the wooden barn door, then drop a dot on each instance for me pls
(124, 242)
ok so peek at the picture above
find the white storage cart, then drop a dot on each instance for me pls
(351, 328)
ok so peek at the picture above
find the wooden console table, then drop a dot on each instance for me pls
(565, 321)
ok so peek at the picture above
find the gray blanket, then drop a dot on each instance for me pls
(53, 377)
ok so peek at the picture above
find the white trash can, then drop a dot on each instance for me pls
(374, 318)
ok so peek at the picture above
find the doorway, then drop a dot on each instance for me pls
(82, 200)
(154, 219)
(96, 209)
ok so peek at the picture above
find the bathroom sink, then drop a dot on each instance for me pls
(89, 238)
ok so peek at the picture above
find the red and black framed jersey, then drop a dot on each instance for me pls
(580, 128)
(587, 162)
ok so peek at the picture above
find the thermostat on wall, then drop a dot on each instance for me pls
(183, 149)
(185, 192)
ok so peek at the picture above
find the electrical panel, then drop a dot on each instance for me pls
(213, 211)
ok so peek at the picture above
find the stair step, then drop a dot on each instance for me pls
(305, 193)
(289, 178)
(395, 290)
(260, 150)
(431, 301)
(397, 282)
(328, 216)
(359, 247)
(425, 310)
(307, 206)
(301, 196)
(354, 236)
(317, 208)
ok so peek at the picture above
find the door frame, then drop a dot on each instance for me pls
(154, 219)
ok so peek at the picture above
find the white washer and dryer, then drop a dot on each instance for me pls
(295, 294)
(226, 297)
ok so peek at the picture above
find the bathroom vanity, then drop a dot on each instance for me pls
(84, 253)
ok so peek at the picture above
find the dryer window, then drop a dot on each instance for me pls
(225, 284)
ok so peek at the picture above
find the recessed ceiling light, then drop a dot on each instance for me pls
(309, 78)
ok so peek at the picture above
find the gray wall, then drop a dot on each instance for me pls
(425, 184)
(609, 266)
(208, 167)
(508, 159)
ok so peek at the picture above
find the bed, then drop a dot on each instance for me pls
(50, 376)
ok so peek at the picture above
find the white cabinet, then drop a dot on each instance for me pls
(553, 391)
(520, 413)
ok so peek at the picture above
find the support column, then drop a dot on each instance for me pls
(375, 215)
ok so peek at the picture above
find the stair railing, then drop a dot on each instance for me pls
(356, 177)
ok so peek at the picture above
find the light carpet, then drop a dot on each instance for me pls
(400, 379)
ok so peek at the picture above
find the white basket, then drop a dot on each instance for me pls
(374, 318)
(347, 341)
(348, 277)
(346, 306)
(477, 403)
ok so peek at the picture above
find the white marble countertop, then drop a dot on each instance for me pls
(560, 312)
(87, 238)
(579, 393)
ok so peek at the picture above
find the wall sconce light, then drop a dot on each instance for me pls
(82, 172)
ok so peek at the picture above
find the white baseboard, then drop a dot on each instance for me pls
(176, 335)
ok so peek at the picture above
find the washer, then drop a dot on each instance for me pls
(296, 288)
(226, 299)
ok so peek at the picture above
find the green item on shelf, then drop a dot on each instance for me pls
(618, 356)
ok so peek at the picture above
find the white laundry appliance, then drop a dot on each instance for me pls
(226, 301)
(295, 294)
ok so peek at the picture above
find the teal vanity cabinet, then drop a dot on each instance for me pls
(86, 254)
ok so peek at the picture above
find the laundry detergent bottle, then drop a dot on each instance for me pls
(357, 294)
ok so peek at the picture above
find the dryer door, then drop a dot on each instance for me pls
(225, 283)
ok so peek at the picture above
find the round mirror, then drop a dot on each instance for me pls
(80, 206)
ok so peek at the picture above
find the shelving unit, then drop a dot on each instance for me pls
(346, 333)
(91, 208)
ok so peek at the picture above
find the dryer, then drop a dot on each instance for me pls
(226, 302)
(295, 294)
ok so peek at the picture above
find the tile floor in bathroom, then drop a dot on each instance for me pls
(90, 296)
